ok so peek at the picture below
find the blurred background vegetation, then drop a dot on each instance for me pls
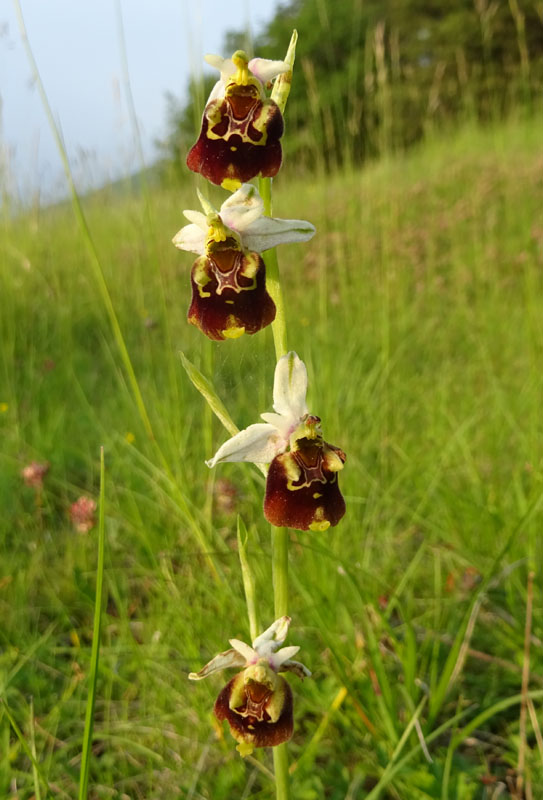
(374, 76)
(418, 308)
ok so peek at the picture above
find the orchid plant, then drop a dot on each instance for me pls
(240, 140)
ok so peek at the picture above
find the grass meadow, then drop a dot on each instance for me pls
(418, 309)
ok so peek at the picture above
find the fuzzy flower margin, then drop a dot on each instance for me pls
(257, 702)
(302, 488)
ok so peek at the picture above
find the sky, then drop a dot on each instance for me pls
(78, 50)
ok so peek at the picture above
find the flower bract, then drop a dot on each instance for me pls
(257, 702)
(241, 128)
(229, 295)
(302, 488)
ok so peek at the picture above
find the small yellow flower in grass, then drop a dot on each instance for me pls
(129, 437)
(257, 702)
(3, 408)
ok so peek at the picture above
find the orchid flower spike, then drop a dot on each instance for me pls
(229, 295)
(241, 128)
(302, 488)
(257, 702)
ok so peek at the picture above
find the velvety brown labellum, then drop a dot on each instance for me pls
(248, 722)
(301, 492)
(229, 295)
(239, 138)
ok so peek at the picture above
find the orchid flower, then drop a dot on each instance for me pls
(241, 128)
(257, 702)
(302, 483)
(229, 295)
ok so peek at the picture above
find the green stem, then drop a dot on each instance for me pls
(280, 766)
(280, 570)
(273, 279)
(279, 536)
(95, 651)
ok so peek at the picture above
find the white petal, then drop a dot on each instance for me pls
(265, 69)
(250, 655)
(267, 232)
(284, 654)
(191, 238)
(259, 443)
(273, 637)
(290, 387)
(230, 658)
(225, 65)
(197, 218)
(242, 208)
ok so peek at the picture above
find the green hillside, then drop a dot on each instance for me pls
(418, 309)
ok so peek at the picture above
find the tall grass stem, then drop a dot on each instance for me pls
(95, 652)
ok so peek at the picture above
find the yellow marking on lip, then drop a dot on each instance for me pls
(233, 333)
(231, 184)
(323, 525)
(317, 495)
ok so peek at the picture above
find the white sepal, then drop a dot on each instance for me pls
(230, 658)
(259, 443)
(290, 387)
(267, 232)
(273, 637)
(242, 208)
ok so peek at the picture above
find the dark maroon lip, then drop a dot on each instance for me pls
(239, 139)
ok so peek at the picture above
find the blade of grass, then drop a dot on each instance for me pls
(35, 776)
(85, 230)
(99, 274)
(393, 768)
(208, 392)
(476, 722)
(95, 653)
(450, 668)
(249, 585)
(20, 736)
